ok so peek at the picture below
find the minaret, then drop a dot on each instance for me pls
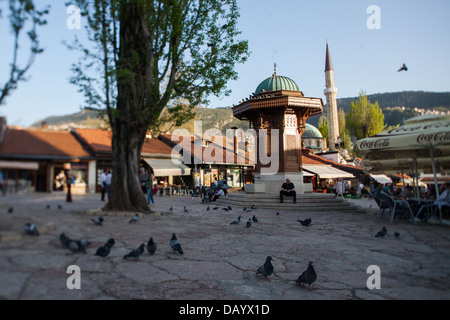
(332, 112)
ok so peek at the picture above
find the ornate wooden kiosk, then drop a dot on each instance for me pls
(278, 103)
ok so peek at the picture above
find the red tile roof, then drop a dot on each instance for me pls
(100, 142)
(28, 142)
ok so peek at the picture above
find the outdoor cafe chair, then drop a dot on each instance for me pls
(383, 206)
(399, 206)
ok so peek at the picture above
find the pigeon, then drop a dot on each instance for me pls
(186, 210)
(134, 219)
(171, 208)
(105, 249)
(10, 210)
(59, 207)
(84, 242)
(175, 244)
(381, 233)
(308, 276)
(76, 246)
(227, 209)
(31, 229)
(278, 213)
(65, 240)
(403, 68)
(230, 208)
(97, 221)
(151, 246)
(255, 219)
(237, 220)
(207, 209)
(267, 268)
(48, 206)
(253, 207)
(245, 209)
(305, 222)
(396, 234)
(136, 253)
(215, 208)
(249, 223)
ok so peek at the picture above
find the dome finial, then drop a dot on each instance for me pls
(275, 69)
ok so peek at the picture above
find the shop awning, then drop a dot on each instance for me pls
(381, 178)
(327, 172)
(166, 167)
(20, 165)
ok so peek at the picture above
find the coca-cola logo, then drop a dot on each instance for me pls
(374, 144)
(433, 137)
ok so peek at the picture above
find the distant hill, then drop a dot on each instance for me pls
(222, 118)
(388, 102)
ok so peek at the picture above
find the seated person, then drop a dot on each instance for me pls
(288, 189)
(217, 194)
(444, 196)
(407, 193)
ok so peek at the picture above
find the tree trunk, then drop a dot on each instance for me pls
(128, 123)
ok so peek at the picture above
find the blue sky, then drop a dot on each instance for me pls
(291, 33)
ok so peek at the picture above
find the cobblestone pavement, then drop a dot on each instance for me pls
(220, 260)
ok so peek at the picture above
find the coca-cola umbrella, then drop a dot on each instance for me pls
(421, 144)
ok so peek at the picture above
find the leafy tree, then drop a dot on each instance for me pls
(323, 127)
(365, 119)
(343, 131)
(154, 53)
(22, 14)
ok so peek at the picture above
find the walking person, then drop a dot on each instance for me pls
(150, 199)
(196, 185)
(103, 183)
(2, 184)
(143, 179)
(70, 180)
(108, 184)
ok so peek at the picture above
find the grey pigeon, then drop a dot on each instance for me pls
(134, 219)
(215, 208)
(396, 234)
(151, 246)
(31, 229)
(207, 209)
(403, 68)
(255, 219)
(237, 220)
(76, 246)
(105, 249)
(381, 233)
(136, 253)
(305, 222)
(97, 221)
(308, 276)
(10, 210)
(48, 206)
(186, 210)
(171, 208)
(59, 207)
(278, 213)
(249, 223)
(84, 242)
(253, 207)
(175, 244)
(267, 268)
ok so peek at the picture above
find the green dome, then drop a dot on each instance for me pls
(275, 83)
(311, 132)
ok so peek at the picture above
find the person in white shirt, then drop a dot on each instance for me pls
(217, 194)
(108, 183)
(103, 183)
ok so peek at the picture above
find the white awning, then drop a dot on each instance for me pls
(381, 178)
(327, 172)
(166, 167)
(20, 165)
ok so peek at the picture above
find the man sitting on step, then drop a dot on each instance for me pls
(288, 189)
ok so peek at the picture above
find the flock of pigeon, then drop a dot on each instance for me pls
(308, 277)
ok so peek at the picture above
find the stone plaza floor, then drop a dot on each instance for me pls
(220, 260)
